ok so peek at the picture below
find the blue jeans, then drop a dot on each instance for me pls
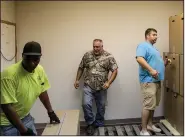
(100, 99)
(10, 130)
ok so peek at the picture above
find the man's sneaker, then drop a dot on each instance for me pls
(153, 128)
(90, 130)
(144, 133)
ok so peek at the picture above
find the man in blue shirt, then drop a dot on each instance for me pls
(151, 73)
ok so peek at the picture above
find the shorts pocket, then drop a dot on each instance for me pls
(145, 85)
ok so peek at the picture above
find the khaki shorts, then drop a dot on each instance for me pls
(151, 95)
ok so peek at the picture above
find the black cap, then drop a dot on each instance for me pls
(32, 48)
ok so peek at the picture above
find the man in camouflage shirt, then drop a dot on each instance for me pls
(96, 66)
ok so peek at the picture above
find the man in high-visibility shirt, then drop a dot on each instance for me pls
(21, 84)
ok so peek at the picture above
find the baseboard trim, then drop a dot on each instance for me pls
(125, 121)
(109, 122)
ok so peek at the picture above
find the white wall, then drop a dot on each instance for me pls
(8, 11)
(66, 31)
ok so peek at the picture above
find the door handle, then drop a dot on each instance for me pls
(169, 61)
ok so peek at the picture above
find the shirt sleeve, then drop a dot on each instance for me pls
(141, 51)
(82, 63)
(8, 91)
(113, 65)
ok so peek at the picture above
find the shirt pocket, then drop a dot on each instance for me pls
(41, 83)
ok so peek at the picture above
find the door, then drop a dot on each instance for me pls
(168, 104)
(178, 113)
(176, 33)
(172, 72)
(182, 75)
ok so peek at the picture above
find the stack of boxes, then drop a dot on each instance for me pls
(174, 76)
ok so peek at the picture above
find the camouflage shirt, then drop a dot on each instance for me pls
(96, 68)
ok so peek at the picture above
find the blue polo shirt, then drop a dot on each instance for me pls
(154, 59)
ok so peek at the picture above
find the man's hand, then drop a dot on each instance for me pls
(53, 118)
(154, 73)
(76, 84)
(106, 85)
(29, 132)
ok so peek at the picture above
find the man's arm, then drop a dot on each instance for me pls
(113, 76)
(141, 55)
(13, 117)
(81, 68)
(78, 76)
(146, 66)
(79, 73)
(44, 98)
(8, 98)
(113, 67)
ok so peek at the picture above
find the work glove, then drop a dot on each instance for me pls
(53, 118)
(29, 132)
